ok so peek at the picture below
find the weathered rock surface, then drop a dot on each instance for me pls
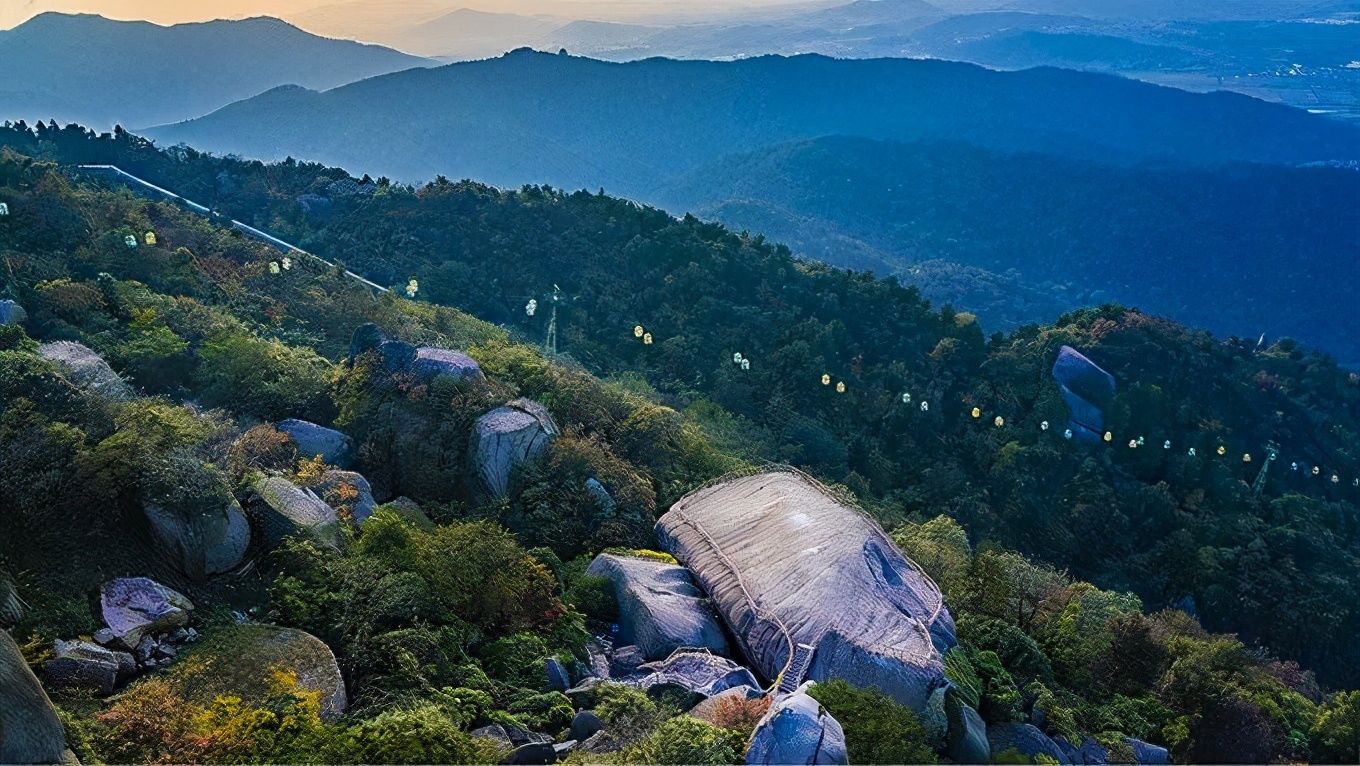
(430, 363)
(967, 735)
(696, 673)
(347, 492)
(30, 731)
(334, 447)
(506, 438)
(87, 665)
(559, 679)
(285, 509)
(796, 730)
(85, 369)
(11, 607)
(12, 313)
(585, 725)
(787, 563)
(135, 607)
(1025, 739)
(1086, 388)
(660, 608)
(202, 542)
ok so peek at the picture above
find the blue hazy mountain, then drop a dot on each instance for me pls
(98, 71)
(576, 122)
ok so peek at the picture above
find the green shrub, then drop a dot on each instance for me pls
(425, 734)
(686, 740)
(877, 729)
(594, 597)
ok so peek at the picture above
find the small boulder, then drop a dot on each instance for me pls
(600, 743)
(135, 607)
(532, 754)
(12, 313)
(559, 680)
(203, 541)
(284, 509)
(660, 607)
(85, 665)
(30, 731)
(585, 725)
(496, 733)
(430, 363)
(506, 438)
(626, 660)
(348, 493)
(797, 730)
(604, 502)
(1024, 739)
(1148, 753)
(85, 369)
(1091, 753)
(334, 447)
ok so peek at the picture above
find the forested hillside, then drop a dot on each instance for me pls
(440, 619)
(1172, 527)
(1072, 232)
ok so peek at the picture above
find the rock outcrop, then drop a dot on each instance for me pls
(30, 731)
(85, 369)
(134, 607)
(425, 363)
(797, 730)
(697, 674)
(284, 509)
(311, 439)
(506, 438)
(1086, 388)
(1148, 753)
(786, 563)
(660, 608)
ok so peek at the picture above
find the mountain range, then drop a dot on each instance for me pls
(62, 67)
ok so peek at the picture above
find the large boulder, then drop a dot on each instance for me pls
(660, 608)
(11, 606)
(30, 731)
(787, 563)
(1025, 739)
(201, 542)
(1086, 388)
(134, 607)
(797, 730)
(237, 662)
(12, 313)
(284, 509)
(87, 665)
(506, 438)
(312, 440)
(85, 369)
(349, 493)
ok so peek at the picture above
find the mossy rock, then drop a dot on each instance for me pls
(240, 660)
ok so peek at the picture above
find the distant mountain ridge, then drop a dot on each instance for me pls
(97, 71)
(577, 122)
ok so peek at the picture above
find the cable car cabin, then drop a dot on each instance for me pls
(150, 239)
(130, 241)
(4, 208)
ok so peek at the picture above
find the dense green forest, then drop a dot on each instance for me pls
(1012, 520)
(1075, 233)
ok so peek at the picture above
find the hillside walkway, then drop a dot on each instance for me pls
(148, 189)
